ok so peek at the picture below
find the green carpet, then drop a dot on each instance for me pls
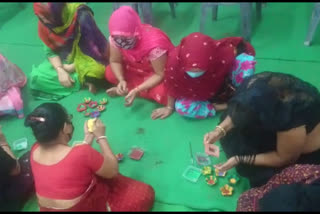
(278, 39)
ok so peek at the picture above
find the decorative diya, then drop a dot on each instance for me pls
(233, 179)
(101, 108)
(211, 180)
(119, 157)
(220, 174)
(226, 190)
(87, 100)
(82, 107)
(103, 101)
(93, 104)
(206, 170)
(91, 124)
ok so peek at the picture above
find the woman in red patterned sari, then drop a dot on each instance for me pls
(79, 178)
(296, 188)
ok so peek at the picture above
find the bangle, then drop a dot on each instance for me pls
(60, 66)
(101, 137)
(4, 144)
(222, 130)
(169, 107)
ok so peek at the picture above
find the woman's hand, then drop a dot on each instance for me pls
(161, 113)
(232, 162)
(3, 140)
(131, 97)
(211, 149)
(65, 78)
(122, 88)
(99, 129)
(70, 68)
(88, 136)
(212, 137)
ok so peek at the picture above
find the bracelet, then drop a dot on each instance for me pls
(101, 137)
(169, 107)
(5, 144)
(222, 130)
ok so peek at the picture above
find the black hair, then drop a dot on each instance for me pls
(241, 47)
(46, 121)
(7, 164)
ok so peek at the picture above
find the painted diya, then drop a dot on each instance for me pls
(226, 190)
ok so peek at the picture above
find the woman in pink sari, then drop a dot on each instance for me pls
(11, 80)
(138, 56)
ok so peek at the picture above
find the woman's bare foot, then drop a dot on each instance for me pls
(92, 88)
(112, 92)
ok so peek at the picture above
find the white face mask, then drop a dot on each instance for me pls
(194, 74)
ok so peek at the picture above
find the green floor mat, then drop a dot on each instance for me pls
(278, 39)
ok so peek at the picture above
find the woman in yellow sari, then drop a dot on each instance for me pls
(76, 49)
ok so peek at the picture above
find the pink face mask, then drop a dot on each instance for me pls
(125, 42)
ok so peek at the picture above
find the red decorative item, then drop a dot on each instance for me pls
(119, 157)
(93, 104)
(136, 154)
(87, 114)
(81, 107)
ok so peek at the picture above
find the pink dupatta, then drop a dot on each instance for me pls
(10, 76)
(126, 22)
(11, 80)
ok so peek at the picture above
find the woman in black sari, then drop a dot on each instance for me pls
(16, 180)
(273, 121)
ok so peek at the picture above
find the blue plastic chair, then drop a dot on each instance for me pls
(146, 9)
(245, 10)
(315, 18)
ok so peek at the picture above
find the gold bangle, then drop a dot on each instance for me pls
(222, 130)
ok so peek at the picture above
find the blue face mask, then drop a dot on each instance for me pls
(193, 74)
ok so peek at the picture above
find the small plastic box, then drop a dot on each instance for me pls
(20, 144)
(192, 174)
(136, 153)
(203, 159)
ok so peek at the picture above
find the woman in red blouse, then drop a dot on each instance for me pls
(79, 178)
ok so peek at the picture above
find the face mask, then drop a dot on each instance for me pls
(193, 74)
(71, 134)
(125, 43)
(69, 121)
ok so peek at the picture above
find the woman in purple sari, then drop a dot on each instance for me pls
(76, 49)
